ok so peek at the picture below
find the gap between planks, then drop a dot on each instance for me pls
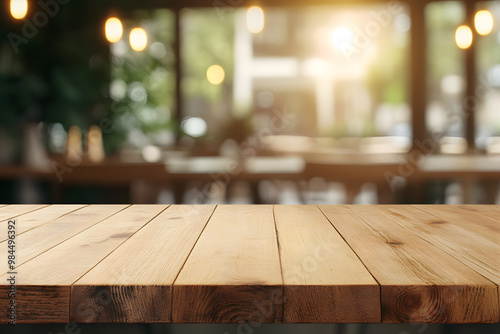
(39, 217)
(134, 233)
(411, 271)
(281, 263)
(35, 297)
(184, 263)
(147, 265)
(19, 209)
(357, 255)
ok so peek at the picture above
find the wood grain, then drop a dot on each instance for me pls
(139, 274)
(472, 249)
(419, 282)
(32, 219)
(37, 304)
(490, 211)
(59, 267)
(243, 263)
(468, 219)
(38, 240)
(325, 282)
(11, 211)
(233, 273)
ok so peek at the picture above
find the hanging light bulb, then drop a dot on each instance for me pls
(113, 29)
(255, 19)
(19, 9)
(138, 39)
(463, 37)
(483, 22)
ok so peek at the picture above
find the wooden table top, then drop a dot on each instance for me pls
(249, 263)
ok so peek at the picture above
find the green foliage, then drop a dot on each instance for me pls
(152, 73)
(208, 39)
(57, 75)
(19, 93)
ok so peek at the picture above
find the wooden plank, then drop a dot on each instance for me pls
(38, 240)
(138, 276)
(41, 216)
(473, 250)
(11, 211)
(492, 212)
(470, 220)
(325, 282)
(419, 282)
(61, 266)
(233, 273)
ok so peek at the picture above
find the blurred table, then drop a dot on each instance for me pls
(244, 263)
(352, 170)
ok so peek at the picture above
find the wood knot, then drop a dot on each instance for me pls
(438, 222)
(121, 236)
(394, 243)
(413, 302)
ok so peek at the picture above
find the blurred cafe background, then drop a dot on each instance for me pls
(234, 101)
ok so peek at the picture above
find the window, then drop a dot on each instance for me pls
(445, 75)
(142, 86)
(207, 53)
(340, 72)
(488, 90)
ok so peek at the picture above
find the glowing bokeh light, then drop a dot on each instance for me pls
(19, 9)
(215, 74)
(483, 22)
(342, 38)
(194, 126)
(138, 39)
(151, 153)
(402, 22)
(255, 19)
(463, 37)
(114, 29)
